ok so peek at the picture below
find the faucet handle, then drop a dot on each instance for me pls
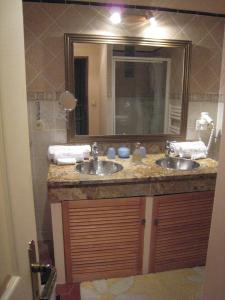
(94, 148)
(167, 145)
(169, 149)
(94, 145)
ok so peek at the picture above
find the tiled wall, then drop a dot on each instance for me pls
(45, 25)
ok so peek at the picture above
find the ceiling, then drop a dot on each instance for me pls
(213, 6)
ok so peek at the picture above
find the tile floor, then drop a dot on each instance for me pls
(68, 291)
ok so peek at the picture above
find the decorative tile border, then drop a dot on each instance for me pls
(211, 97)
(55, 95)
(44, 96)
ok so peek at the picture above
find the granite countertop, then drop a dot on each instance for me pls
(148, 171)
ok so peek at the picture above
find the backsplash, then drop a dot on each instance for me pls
(45, 25)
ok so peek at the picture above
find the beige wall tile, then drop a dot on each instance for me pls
(35, 18)
(38, 56)
(54, 72)
(29, 37)
(40, 83)
(52, 39)
(54, 11)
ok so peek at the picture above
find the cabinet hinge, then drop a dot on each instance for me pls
(143, 221)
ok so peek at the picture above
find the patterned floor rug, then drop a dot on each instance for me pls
(184, 284)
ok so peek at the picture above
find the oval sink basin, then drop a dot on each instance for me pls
(99, 168)
(177, 163)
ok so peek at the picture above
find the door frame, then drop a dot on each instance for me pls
(18, 225)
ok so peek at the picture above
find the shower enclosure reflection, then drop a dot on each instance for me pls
(140, 92)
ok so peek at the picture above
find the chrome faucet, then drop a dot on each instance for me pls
(169, 151)
(94, 150)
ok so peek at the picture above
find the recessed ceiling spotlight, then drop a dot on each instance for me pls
(115, 17)
(151, 18)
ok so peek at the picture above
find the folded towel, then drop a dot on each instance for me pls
(65, 161)
(78, 153)
(193, 150)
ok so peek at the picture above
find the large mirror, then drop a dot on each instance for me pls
(129, 87)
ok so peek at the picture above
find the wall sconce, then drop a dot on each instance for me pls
(148, 16)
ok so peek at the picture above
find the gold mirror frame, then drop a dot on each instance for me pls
(70, 39)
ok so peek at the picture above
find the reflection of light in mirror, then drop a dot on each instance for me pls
(151, 18)
(109, 32)
(154, 31)
(115, 17)
(153, 21)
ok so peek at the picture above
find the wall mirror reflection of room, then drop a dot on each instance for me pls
(117, 83)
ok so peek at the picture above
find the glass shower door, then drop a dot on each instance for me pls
(140, 96)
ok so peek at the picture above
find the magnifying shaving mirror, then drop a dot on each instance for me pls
(68, 101)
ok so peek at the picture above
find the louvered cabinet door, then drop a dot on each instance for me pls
(180, 230)
(103, 238)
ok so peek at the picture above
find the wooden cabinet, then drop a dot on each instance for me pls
(180, 230)
(103, 238)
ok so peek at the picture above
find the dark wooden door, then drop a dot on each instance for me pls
(81, 94)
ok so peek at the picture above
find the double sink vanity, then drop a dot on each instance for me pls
(144, 218)
(117, 218)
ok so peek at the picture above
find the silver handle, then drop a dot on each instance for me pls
(50, 284)
(36, 268)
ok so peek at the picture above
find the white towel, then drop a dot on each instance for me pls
(193, 150)
(65, 161)
(77, 152)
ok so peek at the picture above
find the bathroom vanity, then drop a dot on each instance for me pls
(142, 219)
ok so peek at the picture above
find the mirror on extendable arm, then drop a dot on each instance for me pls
(68, 101)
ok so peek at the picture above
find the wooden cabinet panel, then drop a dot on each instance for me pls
(103, 238)
(180, 230)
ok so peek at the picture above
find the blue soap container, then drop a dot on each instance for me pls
(123, 152)
(143, 151)
(111, 153)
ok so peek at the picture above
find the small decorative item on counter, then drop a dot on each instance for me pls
(123, 152)
(143, 151)
(137, 157)
(111, 153)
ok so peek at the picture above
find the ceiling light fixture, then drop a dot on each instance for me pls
(115, 17)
